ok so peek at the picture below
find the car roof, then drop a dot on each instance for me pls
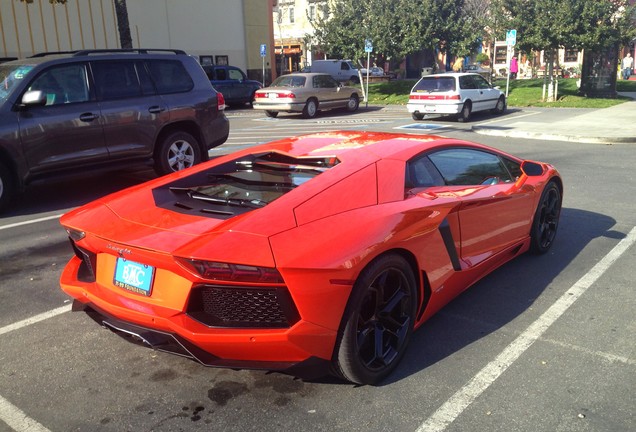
(306, 74)
(450, 74)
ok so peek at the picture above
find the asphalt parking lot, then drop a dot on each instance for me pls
(542, 344)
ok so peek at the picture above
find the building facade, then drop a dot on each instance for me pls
(217, 31)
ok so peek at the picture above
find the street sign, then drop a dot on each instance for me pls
(263, 50)
(511, 37)
(368, 46)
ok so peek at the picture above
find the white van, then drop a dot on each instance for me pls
(341, 70)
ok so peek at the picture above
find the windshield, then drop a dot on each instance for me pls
(289, 81)
(11, 76)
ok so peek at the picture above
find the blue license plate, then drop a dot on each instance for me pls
(133, 276)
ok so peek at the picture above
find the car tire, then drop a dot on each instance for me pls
(464, 114)
(353, 103)
(272, 114)
(311, 109)
(546, 219)
(177, 151)
(417, 116)
(381, 311)
(7, 186)
(500, 108)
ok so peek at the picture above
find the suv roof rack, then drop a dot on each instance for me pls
(77, 53)
(48, 53)
(119, 51)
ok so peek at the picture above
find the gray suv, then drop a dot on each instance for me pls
(77, 112)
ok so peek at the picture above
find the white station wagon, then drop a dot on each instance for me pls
(458, 94)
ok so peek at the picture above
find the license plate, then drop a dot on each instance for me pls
(134, 276)
(430, 108)
(272, 95)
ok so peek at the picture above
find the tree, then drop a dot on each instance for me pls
(396, 28)
(547, 25)
(123, 26)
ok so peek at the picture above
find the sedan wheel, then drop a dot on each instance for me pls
(417, 116)
(464, 115)
(353, 103)
(546, 219)
(177, 151)
(378, 321)
(272, 114)
(501, 106)
(311, 108)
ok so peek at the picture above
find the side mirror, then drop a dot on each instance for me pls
(532, 169)
(34, 98)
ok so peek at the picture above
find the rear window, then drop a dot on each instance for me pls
(170, 76)
(242, 185)
(289, 81)
(435, 84)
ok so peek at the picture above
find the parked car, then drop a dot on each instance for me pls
(458, 94)
(71, 113)
(306, 93)
(340, 70)
(374, 71)
(237, 89)
(309, 254)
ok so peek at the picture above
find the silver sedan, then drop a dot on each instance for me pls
(306, 93)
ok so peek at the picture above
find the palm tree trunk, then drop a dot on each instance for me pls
(123, 26)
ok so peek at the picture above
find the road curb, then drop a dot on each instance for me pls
(512, 133)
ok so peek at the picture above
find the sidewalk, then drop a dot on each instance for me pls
(612, 125)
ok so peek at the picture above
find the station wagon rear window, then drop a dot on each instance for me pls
(241, 185)
(435, 84)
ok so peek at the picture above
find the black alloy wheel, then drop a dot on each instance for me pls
(378, 321)
(546, 219)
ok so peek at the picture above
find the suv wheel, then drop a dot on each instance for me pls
(6, 186)
(176, 152)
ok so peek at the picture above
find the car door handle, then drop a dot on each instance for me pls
(88, 117)
(156, 109)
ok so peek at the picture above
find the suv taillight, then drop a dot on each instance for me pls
(220, 101)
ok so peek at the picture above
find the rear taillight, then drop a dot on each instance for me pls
(219, 271)
(275, 95)
(416, 97)
(220, 101)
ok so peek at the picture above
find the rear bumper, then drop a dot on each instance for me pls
(287, 107)
(304, 349)
(217, 131)
(310, 368)
(431, 108)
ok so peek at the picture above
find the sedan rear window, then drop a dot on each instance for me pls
(435, 84)
(289, 81)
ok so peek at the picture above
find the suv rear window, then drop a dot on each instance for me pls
(241, 185)
(435, 84)
(170, 76)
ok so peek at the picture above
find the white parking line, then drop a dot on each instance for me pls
(13, 416)
(17, 419)
(35, 319)
(28, 222)
(465, 396)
